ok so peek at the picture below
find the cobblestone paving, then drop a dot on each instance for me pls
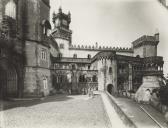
(58, 112)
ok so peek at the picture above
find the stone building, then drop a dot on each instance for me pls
(104, 68)
(25, 57)
(36, 60)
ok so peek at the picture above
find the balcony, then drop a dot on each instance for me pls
(153, 73)
(154, 59)
(71, 60)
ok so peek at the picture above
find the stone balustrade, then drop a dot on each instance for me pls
(154, 59)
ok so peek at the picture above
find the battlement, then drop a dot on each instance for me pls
(100, 48)
(145, 40)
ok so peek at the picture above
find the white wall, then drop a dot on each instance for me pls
(82, 53)
(65, 50)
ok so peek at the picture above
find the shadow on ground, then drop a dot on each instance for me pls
(9, 104)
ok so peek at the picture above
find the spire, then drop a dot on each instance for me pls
(69, 13)
(60, 10)
(156, 34)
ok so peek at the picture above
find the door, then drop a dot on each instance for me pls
(8, 83)
(3, 81)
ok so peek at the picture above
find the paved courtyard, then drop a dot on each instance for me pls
(59, 111)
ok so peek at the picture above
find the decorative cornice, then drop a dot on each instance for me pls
(62, 33)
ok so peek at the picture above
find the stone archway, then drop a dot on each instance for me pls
(110, 88)
(8, 81)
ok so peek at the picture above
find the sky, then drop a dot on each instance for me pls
(116, 23)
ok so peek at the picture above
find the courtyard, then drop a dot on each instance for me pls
(60, 111)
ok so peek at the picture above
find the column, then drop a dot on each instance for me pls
(130, 76)
(114, 75)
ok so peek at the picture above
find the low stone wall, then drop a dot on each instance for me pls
(159, 106)
(119, 111)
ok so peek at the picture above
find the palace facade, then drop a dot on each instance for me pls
(36, 60)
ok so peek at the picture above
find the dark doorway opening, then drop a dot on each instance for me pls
(8, 83)
(110, 88)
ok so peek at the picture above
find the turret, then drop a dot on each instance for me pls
(61, 19)
(61, 31)
(146, 46)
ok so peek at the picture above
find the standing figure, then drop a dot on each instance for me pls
(147, 96)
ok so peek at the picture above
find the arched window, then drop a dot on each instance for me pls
(59, 55)
(45, 83)
(44, 54)
(46, 26)
(81, 78)
(94, 79)
(73, 66)
(89, 56)
(10, 9)
(61, 46)
(138, 56)
(110, 70)
(75, 56)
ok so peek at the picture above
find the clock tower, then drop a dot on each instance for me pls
(61, 26)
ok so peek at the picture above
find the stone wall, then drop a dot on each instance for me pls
(36, 70)
(149, 82)
(138, 51)
(30, 53)
(100, 75)
(146, 51)
(42, 74)
(33, 55)
(36, 12)
(107, 74)
(65, 49)
(34, 82)
(30, 84)
(82, 53)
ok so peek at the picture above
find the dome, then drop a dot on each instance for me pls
(10, 9)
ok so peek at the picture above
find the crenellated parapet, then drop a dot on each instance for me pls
(100, 48)
(146, 40)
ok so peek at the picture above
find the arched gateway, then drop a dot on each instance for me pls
(110, 88)
(8, 81)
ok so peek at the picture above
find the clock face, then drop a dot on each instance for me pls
(64, 22)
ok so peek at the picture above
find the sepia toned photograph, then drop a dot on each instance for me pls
(83, 64)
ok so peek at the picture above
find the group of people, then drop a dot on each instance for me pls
(150, 96)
